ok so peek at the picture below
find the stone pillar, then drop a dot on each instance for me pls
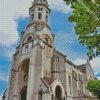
(30, 82)
(49, 97)
(12, 85)
(34, 78)
(43, 97)
(42, 71)
(36, 97)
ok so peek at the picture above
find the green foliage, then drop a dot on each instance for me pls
(86, 15)
(94, 87)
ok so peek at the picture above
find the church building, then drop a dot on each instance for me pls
(39, 71)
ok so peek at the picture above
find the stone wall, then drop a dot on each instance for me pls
(58, 68)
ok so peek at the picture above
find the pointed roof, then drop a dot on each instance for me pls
(48, 81)
(82, 68)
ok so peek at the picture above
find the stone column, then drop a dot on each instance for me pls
(16, 87)
(30, 82)
(34, 77)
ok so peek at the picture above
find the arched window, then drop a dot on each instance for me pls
(25, 78)
(39, 15)
(46, 73)
(24, 70)
(46, 40)
(40, 9)
(26, 49)
(47, 11)
(46, 18)
(33, 10)
(32, 16)
(69, 81)
(29, 38)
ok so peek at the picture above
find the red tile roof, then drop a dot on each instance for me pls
(48, 81)
(82, 68)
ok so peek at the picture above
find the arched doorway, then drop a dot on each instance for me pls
(58, 93)
(23, 93)
(24, 71)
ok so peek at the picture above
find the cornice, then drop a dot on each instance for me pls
(39, 23)
(39, 4)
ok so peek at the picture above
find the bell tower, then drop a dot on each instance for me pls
(32, 60)
(38, 30)
(39, 12)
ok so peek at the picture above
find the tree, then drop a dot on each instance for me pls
(94, 87)
(86, 15)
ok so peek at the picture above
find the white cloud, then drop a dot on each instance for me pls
(59, 5)
(95, 62)
(3, 78)
(98, 78)
(6, 52)
(10, 10)
(3, 75)
(79, 61)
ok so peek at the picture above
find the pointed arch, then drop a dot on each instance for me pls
(23, 77)
(46, 18)
(57, 86)
(47, 39)
(25, 39)
(29, 39)
(25, 65)
(39, 15)
(58, 93)
(32, 17)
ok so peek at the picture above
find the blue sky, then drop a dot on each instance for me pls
(65, 39)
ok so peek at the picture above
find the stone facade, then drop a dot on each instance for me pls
(39, 71)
